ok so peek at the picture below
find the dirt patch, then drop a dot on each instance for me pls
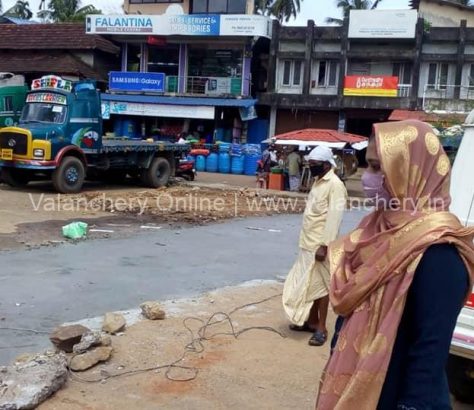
(258, 370)
(32, 219)
(193, 205)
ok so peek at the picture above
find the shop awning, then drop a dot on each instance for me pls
(190, 101)
(313, 137)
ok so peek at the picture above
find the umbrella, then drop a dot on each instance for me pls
(312, 137)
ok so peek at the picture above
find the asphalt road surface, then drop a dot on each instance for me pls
(43, 288)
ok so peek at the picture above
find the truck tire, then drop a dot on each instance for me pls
(158, 174)
(68, 178)
(15, 178)
(460, 373)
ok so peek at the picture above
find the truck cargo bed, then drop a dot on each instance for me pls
(124, 145)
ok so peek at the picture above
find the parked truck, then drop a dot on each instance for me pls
(461, 360)
(12, 97)
(60, 137)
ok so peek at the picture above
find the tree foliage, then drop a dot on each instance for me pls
(283, 10)
(65, 11)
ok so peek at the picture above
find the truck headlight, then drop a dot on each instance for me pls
(38, 153)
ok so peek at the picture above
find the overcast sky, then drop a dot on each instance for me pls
(316, 10)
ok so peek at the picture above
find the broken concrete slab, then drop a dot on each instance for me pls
(89, 359)
(113, 323)
(65, 337)
(153, 310)
(88, 340)
(26, 385)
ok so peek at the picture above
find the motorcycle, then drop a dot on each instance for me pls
(186, 170)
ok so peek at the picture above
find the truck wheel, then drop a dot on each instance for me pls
(158, 174)
(16, 178)
(460, 373)
(69, 176)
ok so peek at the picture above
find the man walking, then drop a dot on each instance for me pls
(305, 294)
(294, 166)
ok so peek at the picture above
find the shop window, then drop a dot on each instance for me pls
(154, 1)
(471, 76)
(326, 74)
(438, 76)
(292, 73)
(403, 72)
(215, 62)
(133, 57)
(219, 6)
(163, 60)
(8, 103)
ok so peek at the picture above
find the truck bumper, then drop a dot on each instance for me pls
(29, 164)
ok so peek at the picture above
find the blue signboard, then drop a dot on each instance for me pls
(131, 81)
(197, 25)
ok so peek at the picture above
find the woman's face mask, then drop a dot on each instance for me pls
(374, 188)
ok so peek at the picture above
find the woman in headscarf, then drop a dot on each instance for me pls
(399, 280)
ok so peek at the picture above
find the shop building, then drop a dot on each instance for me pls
(378, 61)
(186, 67)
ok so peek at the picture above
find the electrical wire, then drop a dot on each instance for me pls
(195, 346)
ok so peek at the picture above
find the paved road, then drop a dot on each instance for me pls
(42, 288)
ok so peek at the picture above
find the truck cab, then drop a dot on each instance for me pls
(461, 361)
(60, 137)
(12, 97)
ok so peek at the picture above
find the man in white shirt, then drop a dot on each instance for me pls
(305, 294)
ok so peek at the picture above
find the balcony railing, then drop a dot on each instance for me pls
(448, 98)
(209, 86)
(404, 90)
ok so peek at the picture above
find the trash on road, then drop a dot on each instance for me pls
(75, 230)
(102, 230)
(150, 227)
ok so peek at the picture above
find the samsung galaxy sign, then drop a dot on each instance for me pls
(128, 81)
(181, 25)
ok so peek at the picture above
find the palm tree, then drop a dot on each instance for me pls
(348, 5)
(63, 11)
(283, 10)
(20, 10)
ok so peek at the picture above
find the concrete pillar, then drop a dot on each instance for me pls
(420, 29)
(246, 70)
(460, 59)
(183, 65)
(272, 125)
(307, 58)
(124, 56)
(144, 58)
(343, 62)
(272, 62)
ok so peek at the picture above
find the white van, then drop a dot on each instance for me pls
(461, 361)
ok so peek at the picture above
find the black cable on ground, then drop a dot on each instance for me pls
(196, 345)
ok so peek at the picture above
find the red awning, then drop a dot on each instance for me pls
(402, 115)
(314, 134)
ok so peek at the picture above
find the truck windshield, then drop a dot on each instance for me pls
(44, 113)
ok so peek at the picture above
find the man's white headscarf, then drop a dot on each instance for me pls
(321, 153)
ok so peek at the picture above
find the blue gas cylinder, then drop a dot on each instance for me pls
(200, 163)
(237, 164)
(212, 162)
(224, 162)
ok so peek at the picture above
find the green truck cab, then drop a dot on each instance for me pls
(12, 98)
(60, 137)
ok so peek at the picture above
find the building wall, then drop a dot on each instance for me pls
(292, 120)
(445, 16)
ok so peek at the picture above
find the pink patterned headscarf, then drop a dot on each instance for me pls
(373, 267)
